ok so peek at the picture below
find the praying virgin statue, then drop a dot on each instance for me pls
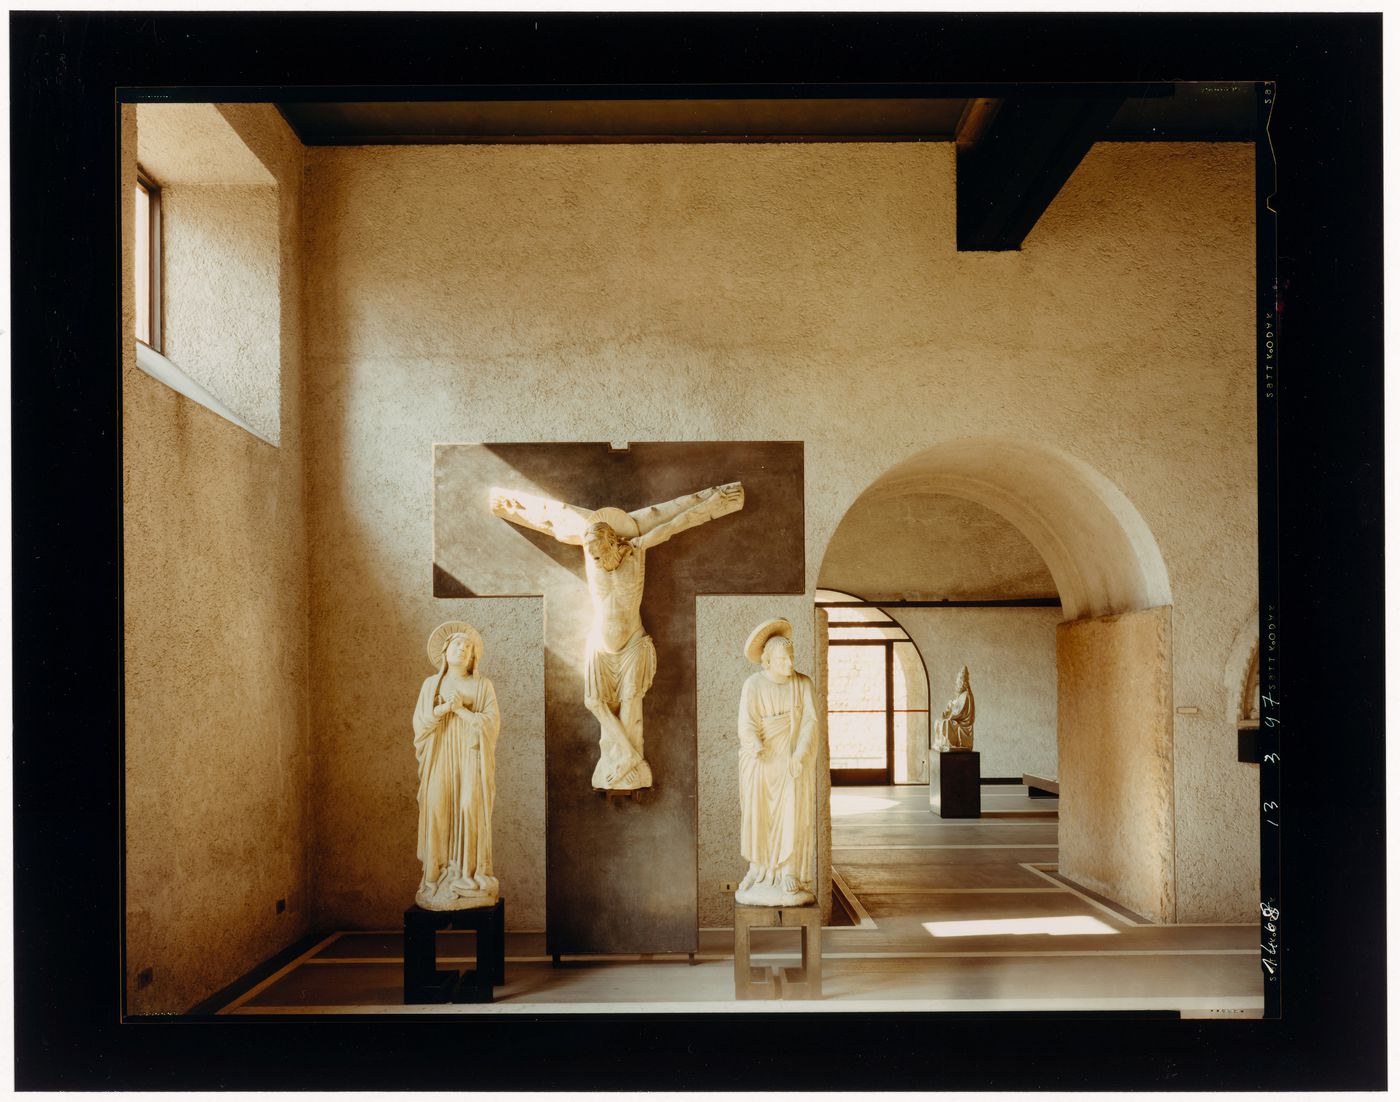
(455, 726)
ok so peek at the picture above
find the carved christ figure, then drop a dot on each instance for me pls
(619, 658)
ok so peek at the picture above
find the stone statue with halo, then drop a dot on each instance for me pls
(777, 774)
(455, 727)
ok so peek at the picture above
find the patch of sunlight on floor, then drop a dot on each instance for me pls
(842, 805)
(987, 927)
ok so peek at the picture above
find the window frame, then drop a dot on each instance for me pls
(831, 598)
(884, 774)
(156, 247)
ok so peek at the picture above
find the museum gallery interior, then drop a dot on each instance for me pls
(692, 554)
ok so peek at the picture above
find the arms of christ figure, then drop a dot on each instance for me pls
(619, 658)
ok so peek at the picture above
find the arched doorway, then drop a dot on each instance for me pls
(1077, 551)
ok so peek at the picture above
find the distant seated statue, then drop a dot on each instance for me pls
(777, 774)
(455, 727)
(954, 730)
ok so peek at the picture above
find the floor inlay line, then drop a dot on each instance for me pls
(778, 954)
(304, 958)
(1127, 916)
(956, 846)
(862, 916)
(966, 891)
(1121, 916)
(933, 954)
(1000, 820)
(1180, 1004)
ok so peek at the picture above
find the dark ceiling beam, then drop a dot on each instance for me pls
(1009, 174)
(978, 115)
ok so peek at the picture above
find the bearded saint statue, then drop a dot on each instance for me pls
(777, 774)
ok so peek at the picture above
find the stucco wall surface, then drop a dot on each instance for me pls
(1115, 750)
(222, 313)
(1010, 656)
(931, 547)
(671, 292)
(195, 143)
(216, 732)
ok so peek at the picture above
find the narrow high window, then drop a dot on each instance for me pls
(148, 241)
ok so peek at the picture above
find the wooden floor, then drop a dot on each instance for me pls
(958, 915)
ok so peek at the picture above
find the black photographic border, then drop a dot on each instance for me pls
(1321, 538)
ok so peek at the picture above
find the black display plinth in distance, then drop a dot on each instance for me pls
(955, 784)
(424, 983)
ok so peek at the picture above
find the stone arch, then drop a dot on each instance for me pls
(1114, 717)
(1096, 545)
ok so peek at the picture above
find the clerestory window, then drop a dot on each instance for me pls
(207, 265)
(148, 261)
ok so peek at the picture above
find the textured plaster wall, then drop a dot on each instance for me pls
(931, 547)
(216, 729)
(1010, 656)
(1185, 449)
(195, 143)
(1115, 744)
(222, 312)
(820, 625)
(671, 292)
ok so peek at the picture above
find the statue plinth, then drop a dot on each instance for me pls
(955, 784)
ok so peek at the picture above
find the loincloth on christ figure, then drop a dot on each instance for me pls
(615, 676)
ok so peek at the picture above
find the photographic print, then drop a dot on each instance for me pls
(724, 551)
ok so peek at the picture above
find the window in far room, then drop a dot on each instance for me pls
(148, 240)
(877, 696)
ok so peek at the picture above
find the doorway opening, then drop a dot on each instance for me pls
(877, 696)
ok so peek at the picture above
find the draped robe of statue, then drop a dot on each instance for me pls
(776, 830)
(954, 730)
(456, 794)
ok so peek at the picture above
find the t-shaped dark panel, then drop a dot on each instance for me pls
(621, 872)
(1008, 177)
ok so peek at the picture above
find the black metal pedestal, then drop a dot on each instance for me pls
(955, 784)
(423, 983)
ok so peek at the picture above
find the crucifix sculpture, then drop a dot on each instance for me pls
(620, 873)
(619, 659)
